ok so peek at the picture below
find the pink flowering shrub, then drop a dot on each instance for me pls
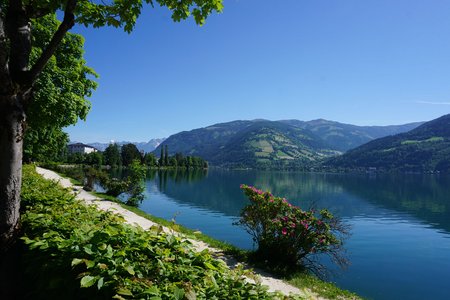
(287, 235)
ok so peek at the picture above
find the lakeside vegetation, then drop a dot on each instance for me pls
(75, 250)
(115, 156)
(298, 277)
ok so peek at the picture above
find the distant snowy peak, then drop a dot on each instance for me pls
(150, 145)
(142, 146)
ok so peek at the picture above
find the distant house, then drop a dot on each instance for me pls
(81, 148)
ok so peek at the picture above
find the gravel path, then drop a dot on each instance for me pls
(132, 218)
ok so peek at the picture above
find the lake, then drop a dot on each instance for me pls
(400, 242)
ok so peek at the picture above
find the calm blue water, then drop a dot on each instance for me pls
(400, 242)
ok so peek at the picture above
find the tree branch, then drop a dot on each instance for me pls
(64, 27)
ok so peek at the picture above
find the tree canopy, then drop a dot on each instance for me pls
(130, 152)
(21, 65)
(59, 94)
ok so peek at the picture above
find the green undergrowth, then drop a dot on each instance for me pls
(74, 251)
(190, 233)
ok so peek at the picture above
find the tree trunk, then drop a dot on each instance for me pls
(12, 123)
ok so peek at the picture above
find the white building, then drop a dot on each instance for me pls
(81, 148)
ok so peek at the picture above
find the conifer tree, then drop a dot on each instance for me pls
(166, 155)
(161, 157)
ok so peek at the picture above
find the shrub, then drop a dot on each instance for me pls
(288, 236)
(135, 181)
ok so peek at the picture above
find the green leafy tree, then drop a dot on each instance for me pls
(130, 152)
(136, 186)
(76, 158)
(20, 69)
(173, 162)
(180, 159)
(59, 93)
(150, 160)
(94, 159)
(112, 155)
(45, 144)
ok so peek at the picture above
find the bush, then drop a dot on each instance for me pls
(135, 181)
(288, 236)
(133, 184)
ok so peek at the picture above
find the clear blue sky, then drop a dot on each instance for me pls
(371, 62)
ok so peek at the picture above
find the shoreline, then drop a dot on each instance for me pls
(132, 218)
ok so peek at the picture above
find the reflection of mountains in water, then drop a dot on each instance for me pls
(424, 197)
(211, 192)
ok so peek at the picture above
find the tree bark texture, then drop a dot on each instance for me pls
(15, 47)
(12, 122)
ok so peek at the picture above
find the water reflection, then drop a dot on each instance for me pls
(400, 245)
(424, 197)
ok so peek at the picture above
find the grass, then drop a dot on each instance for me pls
(322, 288)
(433, 139)
(300, 280)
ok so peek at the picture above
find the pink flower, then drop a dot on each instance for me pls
(284, 231)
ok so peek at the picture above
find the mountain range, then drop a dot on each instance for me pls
(423, 149)
(329, 145)
(146, 147)
(275, 144)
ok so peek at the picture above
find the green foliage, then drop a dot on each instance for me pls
(59, 94)
(114, 186)
(74, 251)
(166, 155)
(161, 157)
(45, 144)
(94, 158)
(136, 184)
(112, 155)
(130, 152)
(150, 160)
(180, 161)
(288, 236)
(124, 13)
(75, 158)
